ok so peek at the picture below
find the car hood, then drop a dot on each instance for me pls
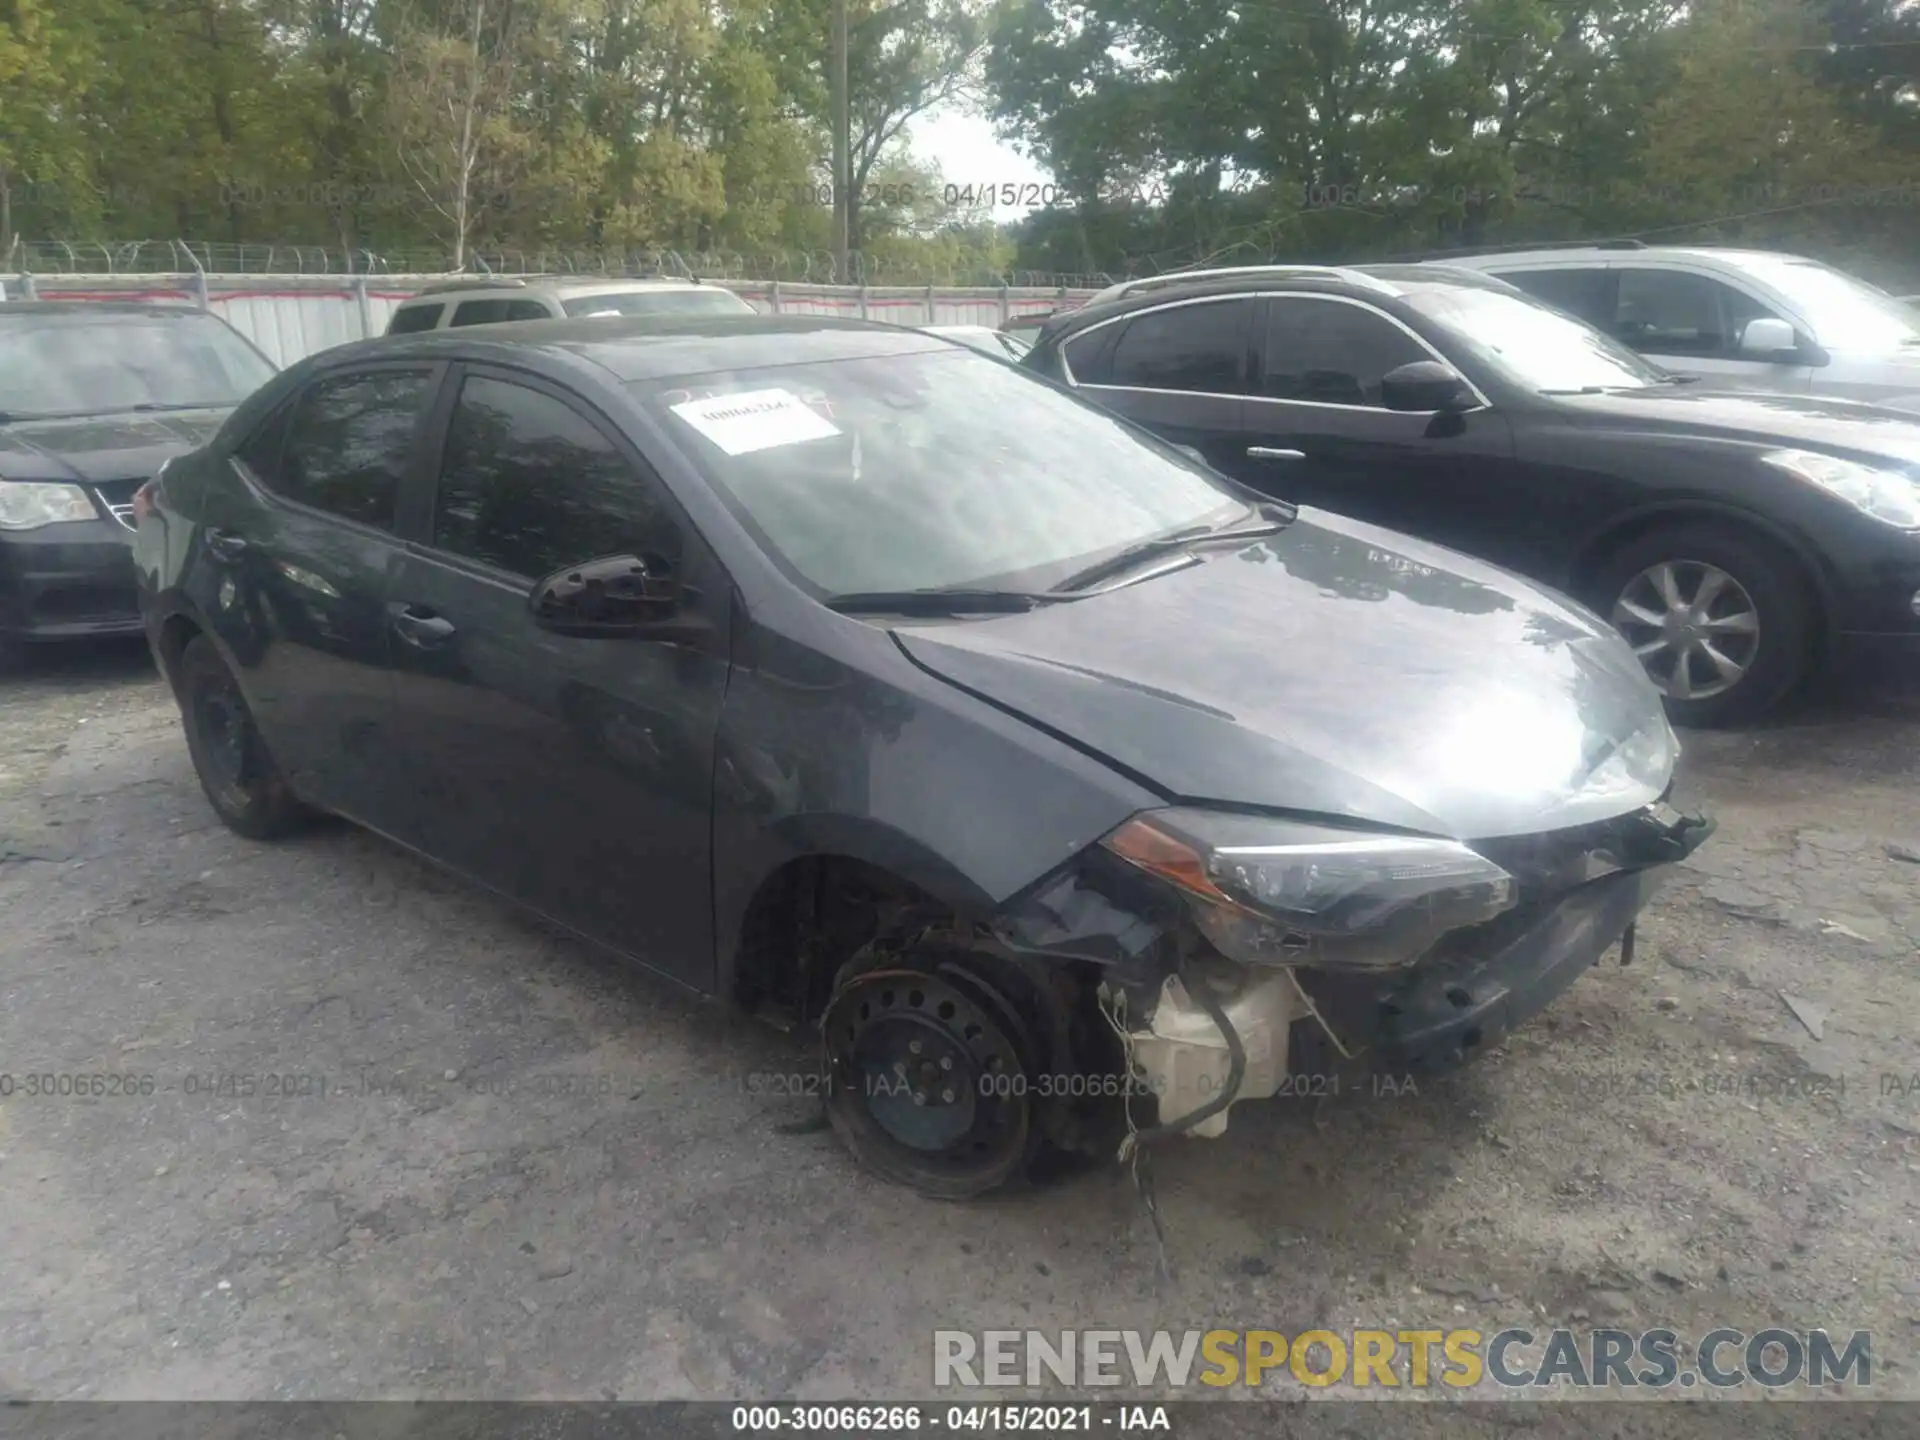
(1834, 425)
(1334, 669)
(94, 448)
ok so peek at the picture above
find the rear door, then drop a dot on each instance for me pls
(1180, 370)
(299, 549)
(572, 774)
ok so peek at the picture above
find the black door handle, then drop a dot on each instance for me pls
(418, 625)
(226, 544)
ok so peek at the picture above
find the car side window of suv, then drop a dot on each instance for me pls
(1672, 312)
(348, 442)
(495, 312)
(1201, 346)
(528, 484)
(1329, 352)
(412, 319)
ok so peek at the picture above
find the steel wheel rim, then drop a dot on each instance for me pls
(1692, 625)
(224, 725)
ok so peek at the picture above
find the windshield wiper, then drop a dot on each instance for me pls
(939, 602)
(1183, 539)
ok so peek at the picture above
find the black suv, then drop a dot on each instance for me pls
(1734, 539)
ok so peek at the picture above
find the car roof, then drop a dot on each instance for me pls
(1587, 254)
(565, 288)
(94, 309)
(1373, 282)
(656, 347)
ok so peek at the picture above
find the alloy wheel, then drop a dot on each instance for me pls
(1693, 625)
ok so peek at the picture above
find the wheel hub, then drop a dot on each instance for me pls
(1692, 625)
(927, 1069)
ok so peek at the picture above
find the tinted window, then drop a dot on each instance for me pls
(260, 451)
(412, 318)
(1667, 312)
(348, 444)
(1330, 352)
(1091, 355)
(1187, 347)
(1578, 292)
(494, 312)
(529, 485)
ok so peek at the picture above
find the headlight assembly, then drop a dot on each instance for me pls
(28, 506)
(1276, 892)
(1884, 494)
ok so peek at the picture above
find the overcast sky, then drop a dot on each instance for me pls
(968, 154)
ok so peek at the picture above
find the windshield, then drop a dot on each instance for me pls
(703, 301)
(935, 470)
(1845, 313)
(67, 365)
(1535, 345)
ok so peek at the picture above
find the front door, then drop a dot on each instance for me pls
(300, 548)
(1691, 325)
(1317, 431)
(572, 774)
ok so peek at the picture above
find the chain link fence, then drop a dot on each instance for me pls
(187, 257)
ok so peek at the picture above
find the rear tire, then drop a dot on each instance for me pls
(241, 781)
(1722, 619)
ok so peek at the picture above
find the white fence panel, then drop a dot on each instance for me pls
(292, 316)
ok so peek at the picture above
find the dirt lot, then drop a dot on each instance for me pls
(1670, 1145)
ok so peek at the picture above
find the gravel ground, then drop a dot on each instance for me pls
(1670, 1145)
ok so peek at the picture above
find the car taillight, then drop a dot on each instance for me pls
(144, 498)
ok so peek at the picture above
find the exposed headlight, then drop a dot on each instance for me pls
(1884, 494)
(1276, 892)
(26, 506)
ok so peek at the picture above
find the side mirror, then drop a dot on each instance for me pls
(617, 595)
(1770, 339)
(1424, 386)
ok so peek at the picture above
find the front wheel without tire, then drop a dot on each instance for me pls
(929, 1068)
(242, 783)
(1722, 620)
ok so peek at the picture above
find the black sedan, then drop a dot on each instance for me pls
(861, 679)
(94, 398)
(1735, 539)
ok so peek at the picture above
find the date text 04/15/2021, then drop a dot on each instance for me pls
(911, 1419)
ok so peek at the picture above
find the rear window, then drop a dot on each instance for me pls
(706, 300)
(410, 319)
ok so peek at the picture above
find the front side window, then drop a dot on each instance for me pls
(1670, 312)
(114, 362)
(1844, 312)
(1200, 347)
(930, 470)
(528, 485)
(1331, 352)
(349, 442)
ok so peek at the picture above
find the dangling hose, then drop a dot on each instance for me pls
(1236, 1065)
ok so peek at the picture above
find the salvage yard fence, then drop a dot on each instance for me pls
(291, 314)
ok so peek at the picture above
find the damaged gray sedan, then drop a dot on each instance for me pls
(1074, 794)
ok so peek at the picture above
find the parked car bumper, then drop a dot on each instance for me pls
(69, 581)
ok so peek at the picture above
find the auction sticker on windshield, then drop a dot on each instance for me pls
(752, 420)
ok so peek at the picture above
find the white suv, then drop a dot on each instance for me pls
(491, 301)
(1746, 319)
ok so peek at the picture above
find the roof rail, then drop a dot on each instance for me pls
(1518, 248)
(1188, 277)
(497, 282)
